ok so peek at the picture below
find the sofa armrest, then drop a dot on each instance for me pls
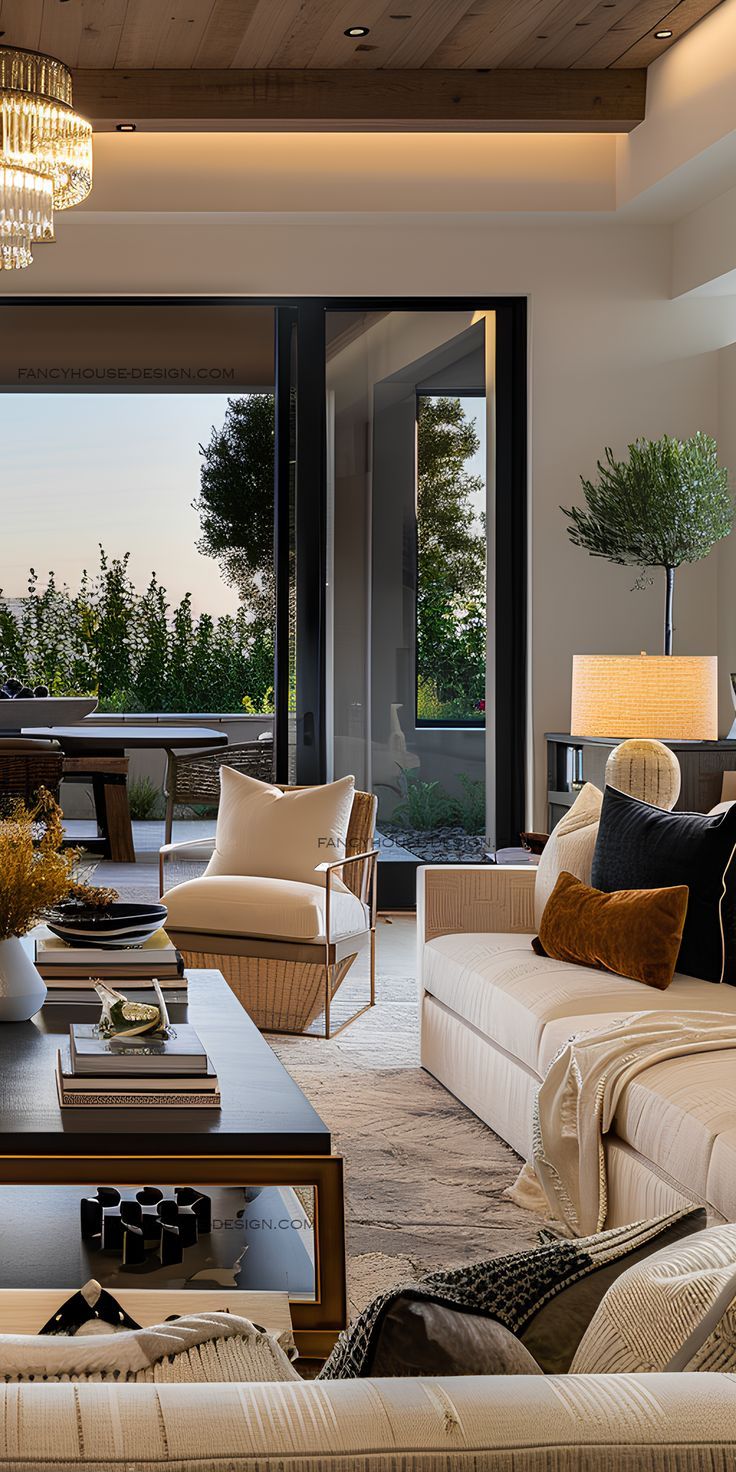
(453, 899)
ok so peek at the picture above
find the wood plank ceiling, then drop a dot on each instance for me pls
(402, 34)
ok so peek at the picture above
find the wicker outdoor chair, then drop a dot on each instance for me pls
(286, 984)
(27, 764)
(195, 778)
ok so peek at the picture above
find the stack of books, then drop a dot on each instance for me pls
(123, 1073)
(74, 968)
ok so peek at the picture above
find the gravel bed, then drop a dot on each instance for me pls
(438, 845)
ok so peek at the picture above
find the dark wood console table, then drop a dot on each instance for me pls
(572, 760)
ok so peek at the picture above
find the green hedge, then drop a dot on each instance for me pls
(133, 650)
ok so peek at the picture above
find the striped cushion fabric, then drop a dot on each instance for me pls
(664, 1303)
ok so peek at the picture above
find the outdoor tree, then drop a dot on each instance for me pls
(235, 503)
(667, 504)
(451, 556)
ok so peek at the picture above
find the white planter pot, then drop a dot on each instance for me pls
(22, 992)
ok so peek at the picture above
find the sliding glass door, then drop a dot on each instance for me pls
(315, 513)
(421, 594)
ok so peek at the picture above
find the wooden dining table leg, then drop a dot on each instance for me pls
(112, 812)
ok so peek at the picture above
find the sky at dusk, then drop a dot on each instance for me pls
(120, 469)
(123, 470)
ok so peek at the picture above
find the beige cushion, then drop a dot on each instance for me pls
(279, 835)
(231, 904)
(648, 1313)
(674, 1113)
(570, 847)
(531, 1005)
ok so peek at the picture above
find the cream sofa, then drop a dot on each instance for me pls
(661, 1423)
(493, 1014)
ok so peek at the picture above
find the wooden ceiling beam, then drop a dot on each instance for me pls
(566, 100)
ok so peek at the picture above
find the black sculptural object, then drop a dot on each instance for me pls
(148, 1224)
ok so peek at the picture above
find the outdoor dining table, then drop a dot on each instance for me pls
(97, 755)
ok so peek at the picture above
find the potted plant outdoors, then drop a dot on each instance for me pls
(36, 873)
(667, 504)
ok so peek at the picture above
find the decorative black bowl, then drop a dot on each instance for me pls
(118, 924)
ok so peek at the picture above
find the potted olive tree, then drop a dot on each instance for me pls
(667, 504)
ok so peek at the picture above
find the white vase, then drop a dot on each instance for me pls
(22, 992)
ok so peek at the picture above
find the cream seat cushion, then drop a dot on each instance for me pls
(675, 1113)
(570, 847)
(262, 831)
(232, 904)
(530, 1005)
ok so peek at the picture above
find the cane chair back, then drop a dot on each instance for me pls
(25, 766)
(193, 779)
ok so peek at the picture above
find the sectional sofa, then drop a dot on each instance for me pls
(536, 1423)
(493, 1015)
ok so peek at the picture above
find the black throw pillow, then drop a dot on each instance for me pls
(642, 847)
(545, 1297)
(418, 1338)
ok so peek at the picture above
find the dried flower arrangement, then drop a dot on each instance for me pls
(36, 873)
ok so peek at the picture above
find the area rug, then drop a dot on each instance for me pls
(424, 1177)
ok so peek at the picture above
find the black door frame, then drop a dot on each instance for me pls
(511, 557)
(308, 316)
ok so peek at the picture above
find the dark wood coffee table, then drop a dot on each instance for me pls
(267, 1135)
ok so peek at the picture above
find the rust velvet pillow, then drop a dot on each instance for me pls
(633, 932)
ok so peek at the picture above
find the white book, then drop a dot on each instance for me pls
(76, 1083)
(92, 1054)
(157, 950)
(145, 1099)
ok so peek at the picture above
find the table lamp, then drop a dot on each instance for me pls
(668, 697)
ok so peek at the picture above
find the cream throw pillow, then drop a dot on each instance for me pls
(657, 1307)
(570, 847)
(264, 832)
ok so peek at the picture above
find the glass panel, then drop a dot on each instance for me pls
(254, 1238)
(137, 554)
(451, 560)
(407, 402)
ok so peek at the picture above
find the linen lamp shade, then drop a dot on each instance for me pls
(666, 696)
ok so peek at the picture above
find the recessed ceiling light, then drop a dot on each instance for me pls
(358, 31)
(125, 127)
(662, 35)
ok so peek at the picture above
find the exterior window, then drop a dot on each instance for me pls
(451, 560)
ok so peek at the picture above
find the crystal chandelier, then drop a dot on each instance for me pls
(45, 152)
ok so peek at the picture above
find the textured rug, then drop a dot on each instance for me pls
(424, 1177)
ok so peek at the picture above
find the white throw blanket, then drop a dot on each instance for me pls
(577, 1101)
(197, 1347)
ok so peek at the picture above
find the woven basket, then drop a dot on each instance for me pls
(280, 996)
